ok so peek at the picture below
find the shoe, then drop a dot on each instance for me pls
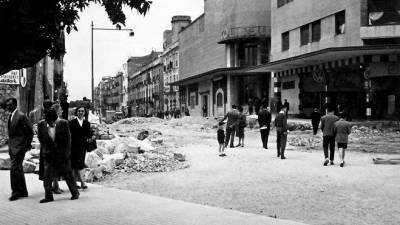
(283, 157)
(84, 187)
(242, 146)
(332, 163)
(342, 164)
(231, 146)
(326, 162)
(79, 187)
(46, 200)
(220, 155)
(58, 191)
(223, 154)
(278, 155)
(238, 145)
(74, 197)
(13, 198)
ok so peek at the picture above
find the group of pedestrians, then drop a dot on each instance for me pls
(334, 129)
(63, 146)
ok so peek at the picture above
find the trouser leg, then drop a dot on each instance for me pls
(17, 176)
(71, 183)
(228, 135)
(48, 178)
(283, 145)
(325, 143)
(278, 143)
(232, 137)
(332, 148)
(315, 128)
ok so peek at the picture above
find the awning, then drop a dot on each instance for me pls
(329, 57)
(234, 71)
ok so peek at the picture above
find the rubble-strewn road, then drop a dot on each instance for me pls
(252, 179)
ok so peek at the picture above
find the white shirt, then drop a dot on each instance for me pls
(80, 121)
(52, 131)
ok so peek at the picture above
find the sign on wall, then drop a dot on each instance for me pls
(11, 77)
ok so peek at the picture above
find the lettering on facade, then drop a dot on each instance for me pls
(243, 32)
(11, 77)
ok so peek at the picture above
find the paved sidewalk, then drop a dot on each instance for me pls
(99, 205)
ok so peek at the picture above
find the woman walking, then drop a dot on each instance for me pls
(80, 133)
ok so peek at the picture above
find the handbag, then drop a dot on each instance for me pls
(91, 145)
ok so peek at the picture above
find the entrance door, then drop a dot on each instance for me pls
(204, 107)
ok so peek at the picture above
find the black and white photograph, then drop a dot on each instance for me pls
(200, 112)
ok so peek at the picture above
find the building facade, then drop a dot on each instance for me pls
(216, 50)
(170, 57)
(329, 53)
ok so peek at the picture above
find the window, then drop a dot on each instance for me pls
(316, 31)
(285, 41)
(288, 85)
(281, 3)
(304, 34)
(340, 21)
(219, 100)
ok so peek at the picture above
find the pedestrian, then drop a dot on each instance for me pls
(286, 105)
(257, 105)
(278, 105)
(64, 106)
(281, 132)
(187, 113)
(221, 138)
(204, 108)
(315, 119)
(264, 120)
(250, 104)
(240, 127)
(328, 140)
(20, 135)
(166, 114)
(80, 135)
(233, 117)
(342, 130)
(55, 139)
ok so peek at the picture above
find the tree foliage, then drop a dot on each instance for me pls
(31, 29)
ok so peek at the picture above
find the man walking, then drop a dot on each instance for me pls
(327, 127)
(233, 119)
(20, 134)
(281, 132)
(264, 120)
(315, 119)
(286, 105)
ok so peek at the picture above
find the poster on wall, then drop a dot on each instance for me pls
(11, 77)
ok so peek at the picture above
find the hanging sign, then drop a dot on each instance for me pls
(11, 77)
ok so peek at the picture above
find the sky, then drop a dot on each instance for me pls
(113, 48)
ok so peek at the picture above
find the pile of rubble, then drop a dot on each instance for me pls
(309, 141)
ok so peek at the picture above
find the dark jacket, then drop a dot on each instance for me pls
(315, 117)
(342, 130)
(264, 118)
(327, 124)
(233, 119)
(59, 150)
(20, 133)
(79, 136)
(281, 122)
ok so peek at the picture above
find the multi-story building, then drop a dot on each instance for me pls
(216, 50)
(346, 52)
(144, 86)
(171, 61)
(109, 93)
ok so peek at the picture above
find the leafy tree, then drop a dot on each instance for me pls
(32, 29)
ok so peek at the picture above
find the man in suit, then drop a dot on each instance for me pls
(55, 140)
(327, 126)
(20, 134)
(281, 132)
(315, 119)
(233, 120)
(286, 105)
(264, 120)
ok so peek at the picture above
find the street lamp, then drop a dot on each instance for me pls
(131, 34)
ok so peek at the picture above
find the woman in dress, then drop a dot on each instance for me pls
(241, 126)
(80, 133)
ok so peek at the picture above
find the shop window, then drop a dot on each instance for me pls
(304, 35)
(285, 41)
(288, 85)
(316, 31)
(340, 21)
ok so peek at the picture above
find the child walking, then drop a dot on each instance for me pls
(221, 138)
(342, 130)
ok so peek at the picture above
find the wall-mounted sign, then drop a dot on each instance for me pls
(11, 77)
(244, 32)
(22, 78)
